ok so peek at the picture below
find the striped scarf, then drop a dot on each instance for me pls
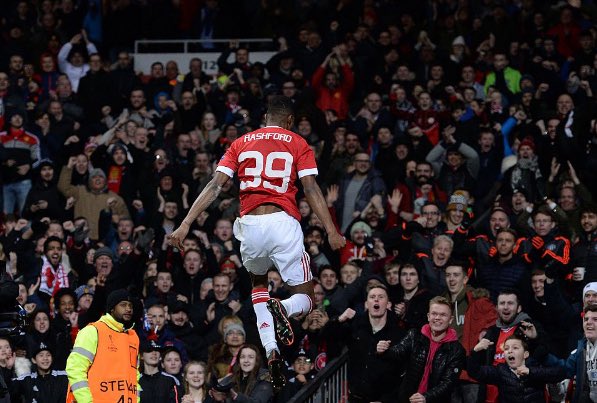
(52, 280)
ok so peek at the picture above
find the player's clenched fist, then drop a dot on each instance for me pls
(175, 238)
(336, 240)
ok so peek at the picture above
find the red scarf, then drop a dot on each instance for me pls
(115, 178)
(433, 347)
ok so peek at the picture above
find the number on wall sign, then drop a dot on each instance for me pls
(269, 170)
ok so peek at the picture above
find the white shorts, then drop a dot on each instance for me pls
(273, 240)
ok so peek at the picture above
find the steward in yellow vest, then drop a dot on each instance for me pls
(103, 365)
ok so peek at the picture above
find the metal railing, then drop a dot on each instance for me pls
(329, 386)
(198, 45)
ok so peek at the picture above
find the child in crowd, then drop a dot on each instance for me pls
(516, 382)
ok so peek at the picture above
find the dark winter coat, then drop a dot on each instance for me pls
(369, 375)
(514, 389)
(413, 351)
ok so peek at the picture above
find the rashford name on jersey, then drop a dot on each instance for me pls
(267, 136)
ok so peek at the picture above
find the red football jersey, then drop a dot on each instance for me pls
(268, 162)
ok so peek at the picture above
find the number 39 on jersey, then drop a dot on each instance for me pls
(268, 161)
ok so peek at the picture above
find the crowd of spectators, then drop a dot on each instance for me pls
(457, 148)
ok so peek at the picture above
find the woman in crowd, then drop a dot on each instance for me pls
(194, 382)
(251, 382)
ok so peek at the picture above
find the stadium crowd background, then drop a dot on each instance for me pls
(446, 132)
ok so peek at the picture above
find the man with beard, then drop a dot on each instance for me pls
(371, 378)
(526, 173)
(137, 110)
(422, 187)
(584, 251)
(53, 276)
(511, 321)
(103, 363)
(433, 354)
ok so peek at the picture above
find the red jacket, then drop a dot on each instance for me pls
(480, 316)
(336, 99)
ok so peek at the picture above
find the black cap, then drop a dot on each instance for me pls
(180, 306)
(116, 297)
(148, 346)
(41, 347)
(301, 353)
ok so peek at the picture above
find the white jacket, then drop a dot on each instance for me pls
(73, 73)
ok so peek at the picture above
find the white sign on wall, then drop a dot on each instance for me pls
(143, 61)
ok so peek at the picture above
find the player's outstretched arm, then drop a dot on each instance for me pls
(319, 206)
(204, 200)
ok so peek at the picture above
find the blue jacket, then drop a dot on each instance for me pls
(576, 367)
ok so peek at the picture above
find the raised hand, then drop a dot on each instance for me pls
(395, 199)
(332, 195)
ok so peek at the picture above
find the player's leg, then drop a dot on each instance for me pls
(253, 241)
(265, 321)
(265, 326)
(301, 299)
(302, 294)
(293, 263)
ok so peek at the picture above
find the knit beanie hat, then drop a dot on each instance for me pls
(589, 287)
(360, 226)
(97, 172)
(116, 297)
(234, 326)
(103, 251)
(458, 201)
